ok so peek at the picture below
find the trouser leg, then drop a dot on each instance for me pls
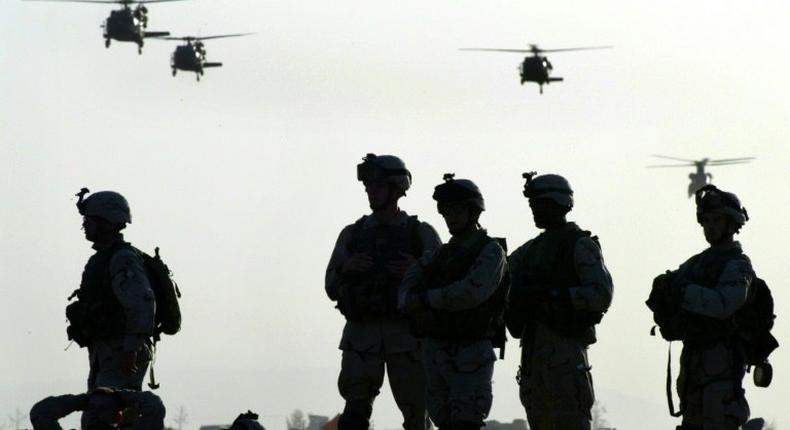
(407, 380)
(360, 380)
(436, 390)
(556, 387)
(108, 371)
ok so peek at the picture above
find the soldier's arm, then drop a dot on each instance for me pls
(339, 256)
(45, 414)
(133, 289)
(429, 237)
(595, 290)
(478, 285)
(727, 297)
(412, 278)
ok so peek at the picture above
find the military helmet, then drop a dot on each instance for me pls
(246, 421)
(458, 191)
(549, 186)
(710, 199)
(385, 168)
(108, 205)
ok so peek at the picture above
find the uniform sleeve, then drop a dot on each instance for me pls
(45, 414)
(429, 237)
(479, 284)
(336, 261)
(132, 288)
(727, 297)
(595, 290)
(413, 277)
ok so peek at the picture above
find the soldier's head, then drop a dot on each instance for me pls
(104, 410)
(460, 203)
(104, 214)
(720, 214)
(386, 179)
(550, 198)
(246, 421)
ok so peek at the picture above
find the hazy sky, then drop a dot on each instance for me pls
(245, 179)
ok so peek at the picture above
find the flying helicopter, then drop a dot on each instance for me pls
(191, 56)
(700, 177)
(126, 24)
(536, 68)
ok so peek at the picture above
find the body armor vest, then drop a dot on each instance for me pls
(97, 313)
(452, 264)
(549, 264)
(704, 269)
(373, 294)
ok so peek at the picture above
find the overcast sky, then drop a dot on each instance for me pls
(245, 179)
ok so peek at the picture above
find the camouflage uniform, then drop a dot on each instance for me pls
(371, 345)
(99, 409)
(459, 372)
(115, 311)
(555, 382)
(712, 367)
(132, 290)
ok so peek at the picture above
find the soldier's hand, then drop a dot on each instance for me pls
(129, 362)
(357, 263)
(400, 266)
(415, 302)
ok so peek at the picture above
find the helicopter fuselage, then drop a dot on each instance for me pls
(536, 69)
(123, 26)
(188, 57)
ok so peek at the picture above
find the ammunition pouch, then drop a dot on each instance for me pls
(367, 301)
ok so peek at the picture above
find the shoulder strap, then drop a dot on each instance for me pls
(670, 402)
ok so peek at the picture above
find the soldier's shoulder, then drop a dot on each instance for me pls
(494, 248)
(521, 250)
(127, 255)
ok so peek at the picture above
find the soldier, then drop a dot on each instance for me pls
(711, 287)
(114, 314)
(363, 276)
(456, 297)
(103, 408)
(560, 290)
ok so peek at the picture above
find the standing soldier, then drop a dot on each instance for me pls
(705, 295)
(363, 276)
(114, 314)
(560, 290)
(456, 297)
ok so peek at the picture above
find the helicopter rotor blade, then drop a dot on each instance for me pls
(583, 48)
(81, 1)
(675, 158)
(520, 51)
(728, 160)
(219, 36)
(728, 163)
(669, 165)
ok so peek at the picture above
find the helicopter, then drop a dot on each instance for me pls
(191, 56)
(700, 177)
(126, 24)
(536, 68)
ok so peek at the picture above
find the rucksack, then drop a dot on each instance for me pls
(754, 322)
(166, 293)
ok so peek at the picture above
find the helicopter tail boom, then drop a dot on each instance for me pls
(556, 79)
(212, 65)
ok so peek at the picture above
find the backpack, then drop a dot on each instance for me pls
(754, 322)
(166, 293)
